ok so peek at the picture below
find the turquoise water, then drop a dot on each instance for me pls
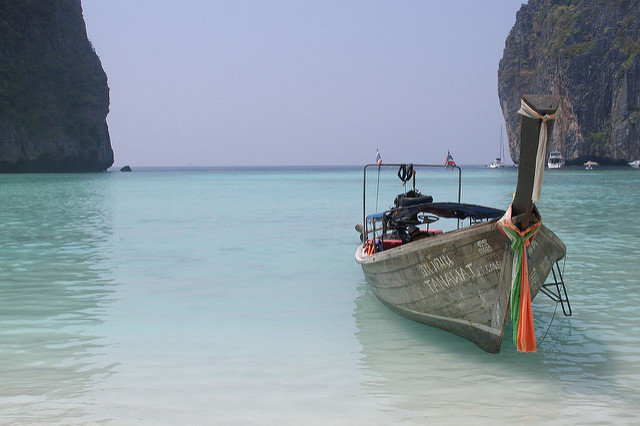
(231, 296)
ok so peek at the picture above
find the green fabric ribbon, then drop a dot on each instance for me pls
(519, 247)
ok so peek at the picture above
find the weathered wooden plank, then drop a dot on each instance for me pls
(529, 135)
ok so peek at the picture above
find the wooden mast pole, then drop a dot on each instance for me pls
(522, 205)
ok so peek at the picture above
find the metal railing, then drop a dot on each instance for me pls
(398, 165)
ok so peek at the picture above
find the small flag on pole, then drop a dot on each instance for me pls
(449, 161)
(378, 158)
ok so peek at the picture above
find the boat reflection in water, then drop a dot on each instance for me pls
(418, 372)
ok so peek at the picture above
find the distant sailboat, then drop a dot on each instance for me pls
(497, 163)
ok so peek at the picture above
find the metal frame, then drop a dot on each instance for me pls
(391, 165)
(557, 292)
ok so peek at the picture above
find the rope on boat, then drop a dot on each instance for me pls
(549, 326)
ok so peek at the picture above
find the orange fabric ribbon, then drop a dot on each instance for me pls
(524, 336)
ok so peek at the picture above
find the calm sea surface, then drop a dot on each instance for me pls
(231, 296)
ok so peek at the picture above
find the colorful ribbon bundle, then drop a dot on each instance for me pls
(524, 336)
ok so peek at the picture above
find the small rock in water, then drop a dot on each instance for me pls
(126, 169)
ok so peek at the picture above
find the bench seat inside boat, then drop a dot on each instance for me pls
(391, 243)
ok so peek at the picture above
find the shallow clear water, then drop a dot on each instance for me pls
(231, 296)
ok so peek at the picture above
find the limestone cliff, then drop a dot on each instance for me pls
(588, 53)
(54, 97)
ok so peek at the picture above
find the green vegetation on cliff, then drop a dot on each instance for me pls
(588, 53)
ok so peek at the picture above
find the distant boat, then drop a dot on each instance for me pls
(462, 280)
(589, 165)
(555, 160)
(497, 163)
(635, 164)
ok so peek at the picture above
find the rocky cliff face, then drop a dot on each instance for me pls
(54, 97)
(588, 53)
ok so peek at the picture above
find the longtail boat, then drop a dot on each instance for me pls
(474, 279)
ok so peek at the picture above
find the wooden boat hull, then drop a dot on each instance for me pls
(459, 281)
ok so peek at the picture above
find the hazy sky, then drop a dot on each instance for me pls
(234, 82)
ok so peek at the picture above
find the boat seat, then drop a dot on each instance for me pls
(388, 244)
(391, 243)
